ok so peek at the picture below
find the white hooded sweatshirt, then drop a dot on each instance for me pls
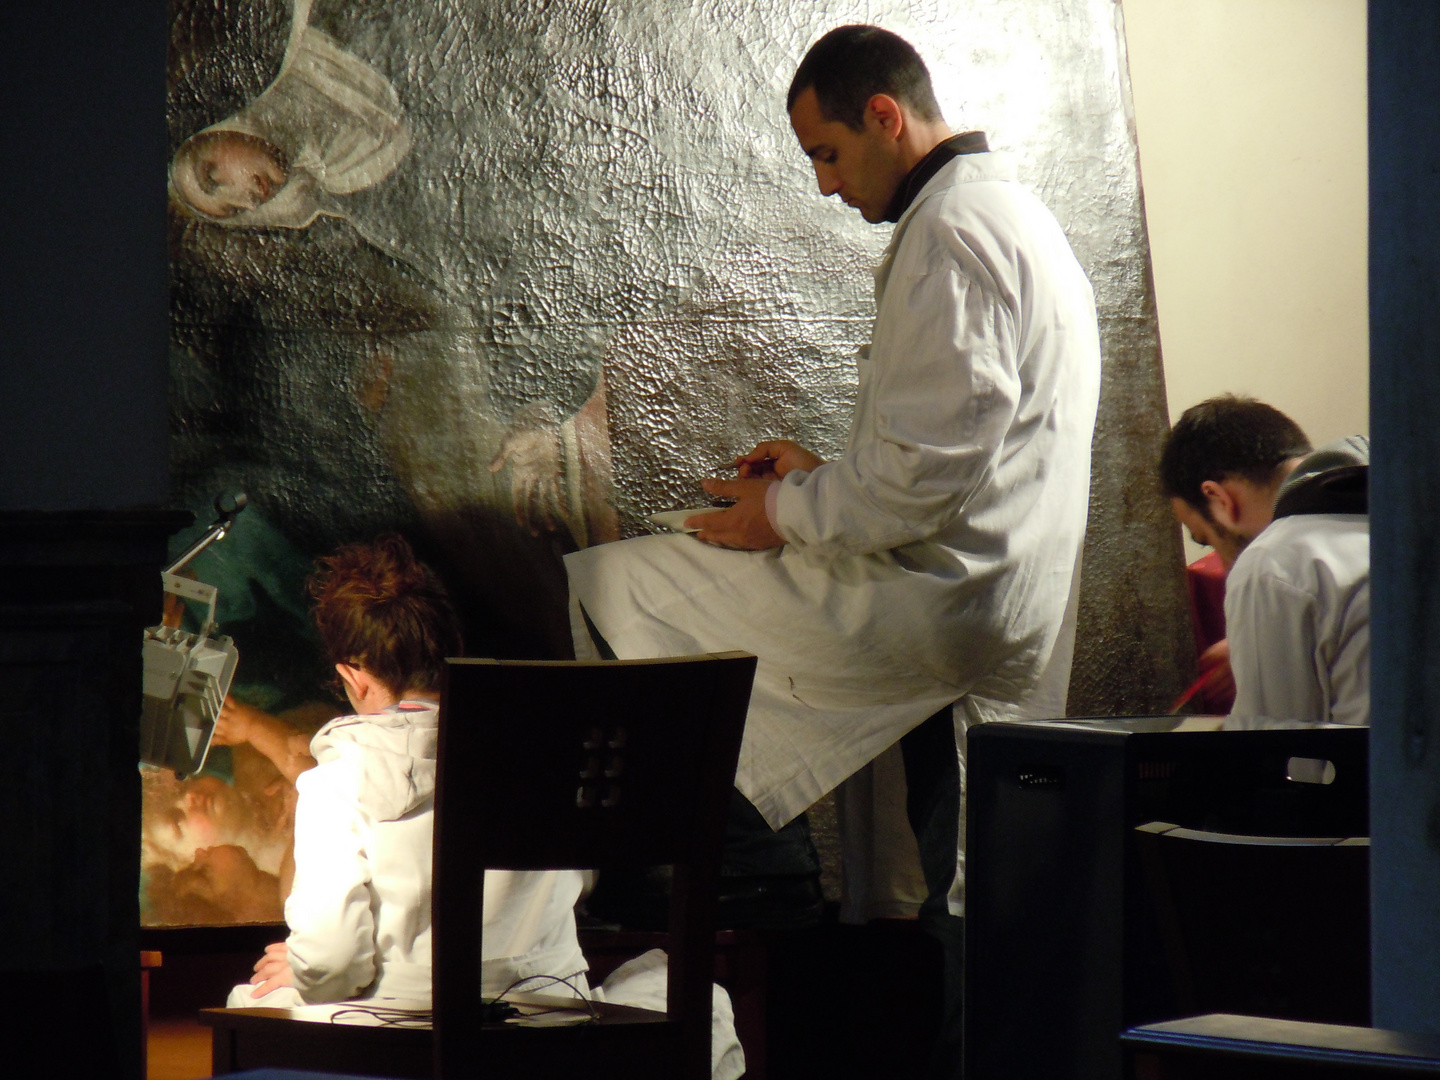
(359, 912)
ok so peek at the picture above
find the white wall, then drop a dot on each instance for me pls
(1251, 120)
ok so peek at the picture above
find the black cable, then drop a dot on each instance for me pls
(549, 979)
(498, 1006)
(414, 1018)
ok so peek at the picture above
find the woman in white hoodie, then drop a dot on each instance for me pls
(359, 911)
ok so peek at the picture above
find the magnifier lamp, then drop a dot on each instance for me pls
(187, 675)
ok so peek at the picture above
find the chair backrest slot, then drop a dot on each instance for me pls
(1268, 925)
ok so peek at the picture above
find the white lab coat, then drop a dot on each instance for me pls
(1297, 612)
(643, 983)
(359, 912)
(937, 558)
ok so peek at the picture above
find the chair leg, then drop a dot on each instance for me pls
(932, 781)
(747, 970)
(148, 959)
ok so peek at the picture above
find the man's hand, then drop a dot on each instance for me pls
(1214, 665)
(772, 460)
(743, 526)
(272, 970)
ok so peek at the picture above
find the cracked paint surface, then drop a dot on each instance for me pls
(537, 268)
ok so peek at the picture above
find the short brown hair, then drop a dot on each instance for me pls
(379, 608)
(851, 64)
(1227, 436)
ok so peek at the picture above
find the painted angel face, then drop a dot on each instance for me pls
(208, 812)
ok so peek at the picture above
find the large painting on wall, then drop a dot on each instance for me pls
(508, 276)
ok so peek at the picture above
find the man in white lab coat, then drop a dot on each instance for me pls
(936, 561)
(1291, 526)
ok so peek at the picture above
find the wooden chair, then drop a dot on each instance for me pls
(1228, 1047)
(554, 765)
(149, 960)
(1260, 925)
(557, 765)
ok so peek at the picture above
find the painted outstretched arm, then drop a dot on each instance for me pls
(287, 747)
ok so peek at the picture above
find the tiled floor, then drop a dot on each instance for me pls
(179, 1049)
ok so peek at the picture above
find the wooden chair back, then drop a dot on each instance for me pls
(1264, 926)
(574, 765)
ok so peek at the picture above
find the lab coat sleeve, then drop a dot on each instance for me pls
(944, 391)
(1271, 626)
(332, 930)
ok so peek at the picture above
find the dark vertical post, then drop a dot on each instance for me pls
(83, 433)
(1405, 518)
(82, 254)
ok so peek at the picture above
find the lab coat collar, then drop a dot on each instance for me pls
(969, 142)
(965, 169)
(1333, 479)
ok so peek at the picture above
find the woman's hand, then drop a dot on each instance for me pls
(272, 970)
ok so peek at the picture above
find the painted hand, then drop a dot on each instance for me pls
(533, 450)
(233, 725)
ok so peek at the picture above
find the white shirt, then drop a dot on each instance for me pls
(1297, 612)
(935, 560)
(359, 911)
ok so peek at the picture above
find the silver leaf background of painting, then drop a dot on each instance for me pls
(604, 219)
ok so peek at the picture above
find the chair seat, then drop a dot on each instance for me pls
(244, 1039)
(348, 1037)
(1233, 1047)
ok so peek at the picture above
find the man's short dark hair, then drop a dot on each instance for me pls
(1227, 437)
(851, 64)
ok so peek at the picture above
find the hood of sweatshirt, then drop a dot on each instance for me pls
(1332, 479)
(394, 755)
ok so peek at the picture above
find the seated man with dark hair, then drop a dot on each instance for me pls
(1291, 526)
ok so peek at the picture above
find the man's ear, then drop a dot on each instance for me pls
(1224, 507)
(885, 112)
